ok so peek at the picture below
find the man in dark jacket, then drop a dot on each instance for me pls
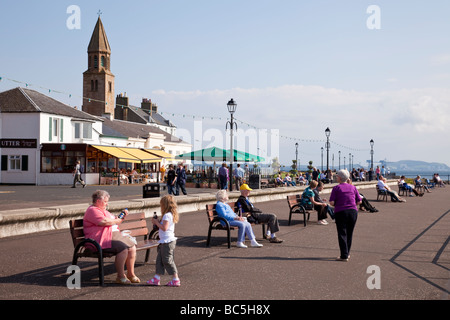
(171, 180)
(255, 214)
(181, 179)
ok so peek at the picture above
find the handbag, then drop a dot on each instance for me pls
(127, 233)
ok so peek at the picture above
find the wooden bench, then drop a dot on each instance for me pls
(265, 183)
(214, 223)
(381, 194)
(135, 223)
(295, 206)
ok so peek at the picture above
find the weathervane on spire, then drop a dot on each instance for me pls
(99, 13)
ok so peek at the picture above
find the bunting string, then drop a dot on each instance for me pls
(172, 114)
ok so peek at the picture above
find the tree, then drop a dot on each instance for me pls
(310, 167)
(294, 167)
(275, 165)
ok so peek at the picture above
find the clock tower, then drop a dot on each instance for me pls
(98, 81)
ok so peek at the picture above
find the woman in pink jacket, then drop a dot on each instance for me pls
(102, 226)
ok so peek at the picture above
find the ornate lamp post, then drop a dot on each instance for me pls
(321, 154)
(296, 156)
(371, 153)
(339, 160)
(350, 162)
(231, 105)
(327, 133)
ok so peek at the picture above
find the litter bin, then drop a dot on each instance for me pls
(151, 190)
(254, 181)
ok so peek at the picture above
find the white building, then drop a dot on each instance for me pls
(41, 138)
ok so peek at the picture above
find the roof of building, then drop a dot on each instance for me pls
(146, 116)
(121, 128)
(99, 41)
(22, 100)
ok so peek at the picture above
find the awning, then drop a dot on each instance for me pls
(132, 155)
(160, 153)
(218, 154)
(208, 154)
(117, 153)
(143, 156)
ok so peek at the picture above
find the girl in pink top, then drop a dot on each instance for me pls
(100, 225)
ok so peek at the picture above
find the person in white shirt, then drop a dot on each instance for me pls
(167, 242)
(394, 195)
(239, 174)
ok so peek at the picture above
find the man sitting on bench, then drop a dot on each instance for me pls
(255, 214)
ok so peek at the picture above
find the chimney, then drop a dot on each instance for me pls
(146, 104)
(154, 108)
(122, 100)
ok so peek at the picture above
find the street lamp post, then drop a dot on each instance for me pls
(371, 153)
(327, 133)
(339, 160)
(231, 105)
(296, 156)
(350, 162)
(321, 153)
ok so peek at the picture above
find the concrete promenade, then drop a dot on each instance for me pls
(403, 248)
(29, 209)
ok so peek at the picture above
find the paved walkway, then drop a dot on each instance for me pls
(405, 244)
(21, 197)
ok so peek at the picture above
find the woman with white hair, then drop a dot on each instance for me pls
(103, 227)
(345, 198)
(244, 227)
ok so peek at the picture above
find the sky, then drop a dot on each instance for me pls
(365, 69)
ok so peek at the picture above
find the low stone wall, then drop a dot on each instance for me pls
(25, 221)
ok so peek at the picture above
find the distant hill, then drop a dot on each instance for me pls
(418, 166)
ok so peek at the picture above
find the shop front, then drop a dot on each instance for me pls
(18, 161)
(97, 161)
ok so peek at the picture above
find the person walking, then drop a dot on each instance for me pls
(345, 198)
(223, 176)
(238, 176)
(167, 242)
(181, 179)
(171, 180)
(77, 175)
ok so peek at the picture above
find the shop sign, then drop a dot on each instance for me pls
(18, 143)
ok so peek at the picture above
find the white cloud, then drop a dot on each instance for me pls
(440, 59)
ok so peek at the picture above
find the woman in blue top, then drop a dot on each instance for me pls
(244, 227)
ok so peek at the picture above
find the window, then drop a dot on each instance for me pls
(110, 86)
(103, 61)
(60, 161)
(55, 127)
(82, 130)
(77, 133)
(87, 130)
(14, 163)
(95, 62)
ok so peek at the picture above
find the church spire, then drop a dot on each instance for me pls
(99, 40)
(98, 81)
